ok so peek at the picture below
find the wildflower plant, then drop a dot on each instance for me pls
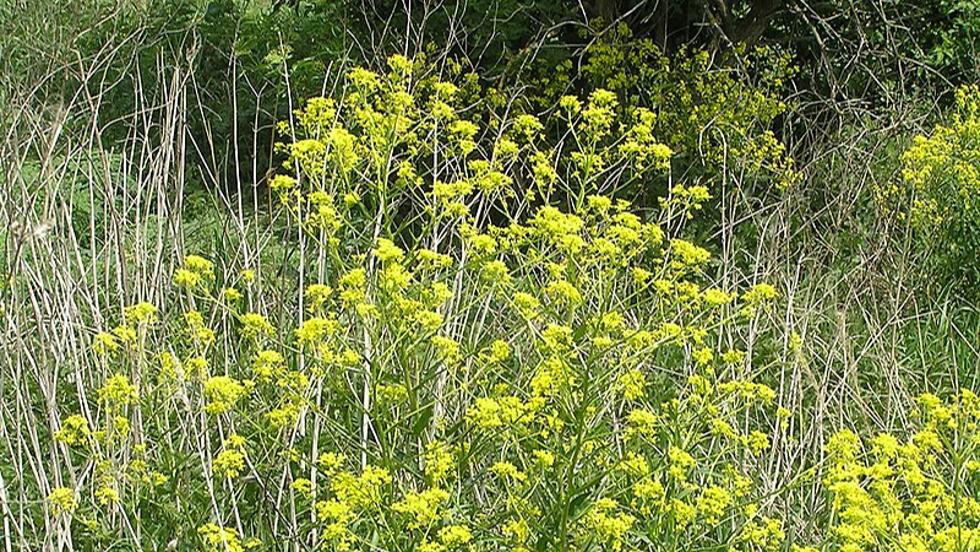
(937, 194)
(914, 490)
(484, 347)
(717, 114)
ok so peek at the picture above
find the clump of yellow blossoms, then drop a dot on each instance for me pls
(62, 500)
(224, 539)
(715, 116)
(231, 460)
(939, 189)
(912, 492)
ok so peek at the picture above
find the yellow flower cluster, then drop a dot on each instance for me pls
(912, 492)
(231, 460)
(62, 500)
(222, 393)
(195, 272)
(941, 177)
(714, 116)
(224, 539)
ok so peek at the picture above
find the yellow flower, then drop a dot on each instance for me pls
(303, 486)
(508, 471)
(330, 462)
(316, 295)
(765, 533)
(400, 64)
(229, 462)
(610, 528)
(106, 494)
(716, 297)
(527, 304)
(557, 337)
(268, 364)
(446, 348)
(104, 343)
(281, 183)
(632, 383)
(364, 78)
(313, 330)
(434, 260)
(499, 351)
(392, 393)
(232, 295)
(186, 279)
(125, 333)
(455, 535)
(757, 442)
(564, 293)
(485, 413)
(220, 539)
(570, 104)
(221, 394)
(518, 530)
(352, 286)
(197, 330)
(422, 508)
(141, 313)
(680, 463)
(437, 461)
(199, 265)
(255, 325)
(552, 376)
(545, 458)
(74, 430)
(62, 500)
(387, 251)
(641, 421)
(713, 503)
(686, 254)
(117, 391)
(363, 491)
(760, 293)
